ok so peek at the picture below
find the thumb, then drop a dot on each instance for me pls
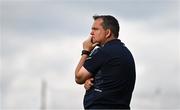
(95, 44)
(92, 79)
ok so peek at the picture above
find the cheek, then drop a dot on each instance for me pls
(102, 33)
(98, 32)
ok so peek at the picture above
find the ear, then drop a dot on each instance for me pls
(108, 33)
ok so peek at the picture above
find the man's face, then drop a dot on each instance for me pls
(98, 33)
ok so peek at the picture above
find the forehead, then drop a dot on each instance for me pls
(98, 22)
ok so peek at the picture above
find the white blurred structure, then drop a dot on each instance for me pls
(44, 95)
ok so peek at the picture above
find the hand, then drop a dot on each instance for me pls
(88, 45)
(88, 84)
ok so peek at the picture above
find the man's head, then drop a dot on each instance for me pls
(104, 27)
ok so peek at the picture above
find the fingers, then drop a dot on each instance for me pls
(89, 44)
(88, 84)
(91, 79)
(94, 44)
(91, 40)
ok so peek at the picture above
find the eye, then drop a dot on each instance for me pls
(94, 28)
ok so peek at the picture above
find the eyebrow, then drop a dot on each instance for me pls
(93, 28)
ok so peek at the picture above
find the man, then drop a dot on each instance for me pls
(108, 72)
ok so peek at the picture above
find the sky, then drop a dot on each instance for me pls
(41, 40)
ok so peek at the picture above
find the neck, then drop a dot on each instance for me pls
(107, 40)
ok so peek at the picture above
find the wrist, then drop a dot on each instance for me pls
(85, 52)
(87, 49)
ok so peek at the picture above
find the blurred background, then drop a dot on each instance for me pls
(41, 43)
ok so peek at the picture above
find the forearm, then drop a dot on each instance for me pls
(81, 74)
(80, 64)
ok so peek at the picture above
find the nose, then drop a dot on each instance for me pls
(92, 33)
